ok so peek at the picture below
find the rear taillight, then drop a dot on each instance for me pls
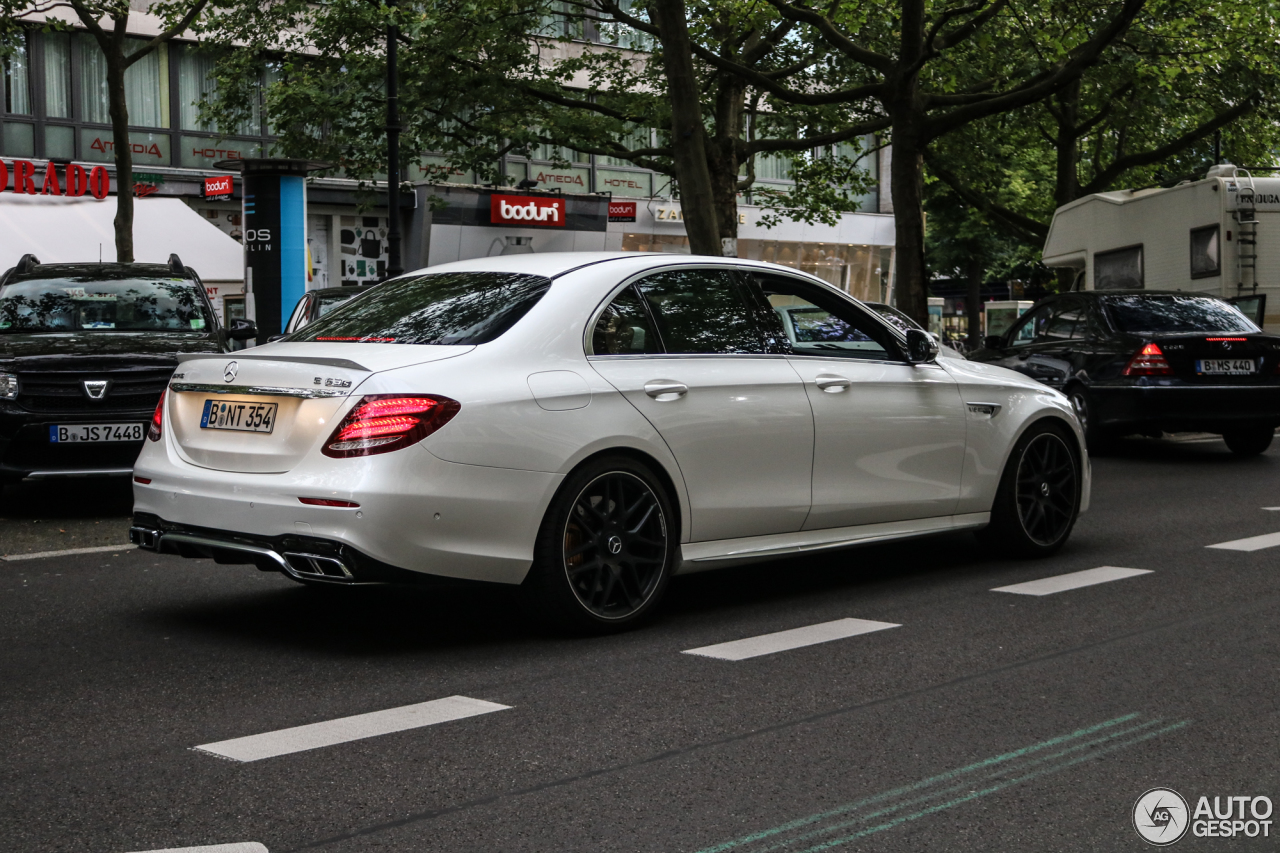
(383, 422)
(1148, 362)
(157, 420)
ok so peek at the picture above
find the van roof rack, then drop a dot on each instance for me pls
(176, 266)
(26, 264)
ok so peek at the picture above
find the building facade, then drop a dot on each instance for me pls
(55, 110)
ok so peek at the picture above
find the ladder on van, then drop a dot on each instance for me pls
(1246, 215)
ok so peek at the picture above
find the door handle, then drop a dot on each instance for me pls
(664, 390)
(831, 383)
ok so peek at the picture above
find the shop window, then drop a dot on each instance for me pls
(57, 75)
(59, 142)
(17, 82)
(197, 84)
(1205, 255)
(18, 139)
(146, 85)
(1120, 269)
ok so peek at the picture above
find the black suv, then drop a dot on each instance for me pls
(85, 352)
(1150, 361)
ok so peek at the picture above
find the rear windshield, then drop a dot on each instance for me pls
(445, 308)
(1170, 313)
(329, 301)
(115, 305)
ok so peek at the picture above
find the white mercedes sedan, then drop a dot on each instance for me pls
(586, 426)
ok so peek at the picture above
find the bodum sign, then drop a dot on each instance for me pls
(526, 210)
(74, 180)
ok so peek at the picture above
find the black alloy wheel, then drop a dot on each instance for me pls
(615, 545)
(1038, 499)
(1047, 492)
(606, 548)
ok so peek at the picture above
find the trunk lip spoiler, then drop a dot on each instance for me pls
(258, 390)
(344, 363)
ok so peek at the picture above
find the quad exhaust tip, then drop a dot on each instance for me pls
(317, 567)
(145, 537)
(313, 567)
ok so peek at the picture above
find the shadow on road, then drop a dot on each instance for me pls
(52, 515)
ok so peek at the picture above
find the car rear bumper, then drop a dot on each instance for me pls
(1179, 408)
(416, 513)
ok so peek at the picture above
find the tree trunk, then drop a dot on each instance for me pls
(688, 134)
(973, 302)
(123, 151)
(907, 189)
(1067, 185)
(730, 106)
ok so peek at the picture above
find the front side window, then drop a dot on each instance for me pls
(1031, 326)
(625, 328)
(1174, 313)
(442, 309)
(1204, 252)
(701, 311)
(115, 305)
(816, 322)
(1118, 270)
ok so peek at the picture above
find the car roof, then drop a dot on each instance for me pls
(553, 264)
(104, 271)
(1137, 292)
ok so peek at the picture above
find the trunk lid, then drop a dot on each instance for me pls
(1221, 358)
(308, 390)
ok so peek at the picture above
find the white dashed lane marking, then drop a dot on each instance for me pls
(1074, 580)
(40, 555)
(243, 847)
(811, 635)
(1253, 543)
(346, 729)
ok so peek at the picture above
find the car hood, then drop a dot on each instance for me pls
(70, 344)
(976, 373)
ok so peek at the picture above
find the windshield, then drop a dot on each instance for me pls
(115, 305)
(444, 308)
(1173, 313)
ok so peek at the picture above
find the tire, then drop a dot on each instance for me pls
(1098, 440)
(1250, 440)
(605, 550)
(1038, 499)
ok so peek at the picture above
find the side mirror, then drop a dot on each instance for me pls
(242, 330)
(993, 342)
(921, 347)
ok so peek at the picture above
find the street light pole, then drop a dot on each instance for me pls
(394, 264)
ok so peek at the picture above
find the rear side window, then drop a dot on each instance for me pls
(1173, 313)
(443, 309)
(701, 312)
(625, 328)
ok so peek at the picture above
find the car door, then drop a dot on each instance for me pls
(889, 436)
(684, 347)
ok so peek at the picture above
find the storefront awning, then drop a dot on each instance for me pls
(71, 230)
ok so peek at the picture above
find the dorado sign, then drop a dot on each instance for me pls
(74, 181)
(526, 210)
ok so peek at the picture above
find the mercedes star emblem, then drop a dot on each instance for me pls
(229, 372)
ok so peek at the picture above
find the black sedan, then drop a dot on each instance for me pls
(1144, 361)
(316, 303)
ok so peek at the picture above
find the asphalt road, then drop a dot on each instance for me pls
(986, 721)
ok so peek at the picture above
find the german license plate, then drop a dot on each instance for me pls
(77, 433)
(1226, 366)
(245, 417)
